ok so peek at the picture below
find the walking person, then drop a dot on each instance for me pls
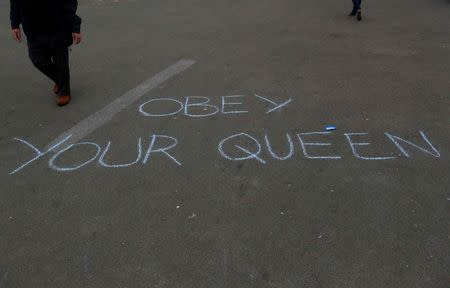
(356, 9)
(51, 27)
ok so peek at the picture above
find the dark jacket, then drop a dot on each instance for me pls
(46, 17)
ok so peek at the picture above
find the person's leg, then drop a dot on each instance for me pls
(39, 51)
(354, 10)
(358, 13)
(61, 61)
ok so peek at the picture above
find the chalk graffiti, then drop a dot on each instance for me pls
(56, 167)
(237, 147)
(149, 114)
(39, 153)
(202, 107)
(101, 160)
(225, 103)
(243, 146)
(305, 144)
(99, 155)
(276, 105)
(248, 154)
(274, 155)
(355, 152)
(163, 150)
(397, 140)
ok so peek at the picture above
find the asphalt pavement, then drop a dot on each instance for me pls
(270, 143)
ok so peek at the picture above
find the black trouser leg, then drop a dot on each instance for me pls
(52, 59)
(356, 5)
(40, 54)
(61, 63)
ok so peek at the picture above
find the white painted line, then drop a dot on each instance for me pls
(101, 117)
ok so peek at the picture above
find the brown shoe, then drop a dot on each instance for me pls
(56, 89)
(63, 100)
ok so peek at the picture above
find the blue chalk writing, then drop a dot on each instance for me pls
(151, 149)
(39, 154)
(397, 141)
(225, 103)
(288, 155)
(52, 161)
(148, 114)
(101, 160)
(204, 103)
(194, 103)
(353, 146)
(248, 154)
(277, 105)
(304, 144)
(237, 147)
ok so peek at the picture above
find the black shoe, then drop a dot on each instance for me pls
(358, 15)
(353, 13)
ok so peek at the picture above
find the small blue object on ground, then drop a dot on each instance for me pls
(330, 128)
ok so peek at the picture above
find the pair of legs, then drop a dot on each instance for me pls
(51, 57)
(356, 9)
(356, 6)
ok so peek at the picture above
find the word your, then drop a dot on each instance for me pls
(237, 147)
(100, 155)
(201, 107)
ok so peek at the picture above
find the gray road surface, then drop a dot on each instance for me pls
(237, 192)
